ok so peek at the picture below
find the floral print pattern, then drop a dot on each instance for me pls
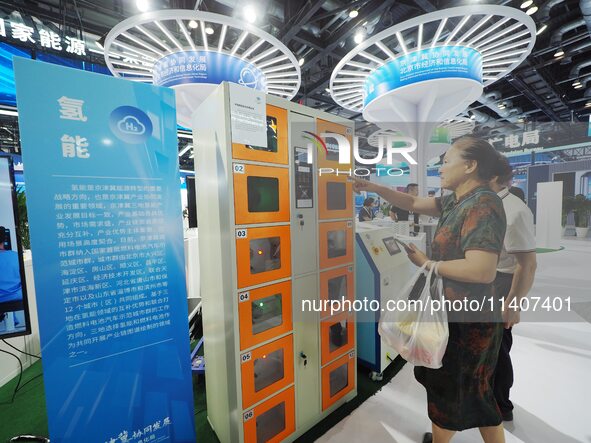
(460, 393)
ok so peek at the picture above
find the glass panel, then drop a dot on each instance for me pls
(336, 196)
(332, 148)
(268, 369)
(337, 243)
(263, 194)
(271, 423)
(339, 379)
(338, 335)
(271, 136)
(266, 313)
(265, 254)
(337, 288)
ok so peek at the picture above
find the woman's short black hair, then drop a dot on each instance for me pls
(368, 201)
(480, 151)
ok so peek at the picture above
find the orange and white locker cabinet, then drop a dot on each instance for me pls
(262, 255)
(266, 370)
(337, 335)
(338, 379)
(335, 197)
(330, 158)
(336, 243)
(261, 194)
(272, 421)
(277, 141)
(336, 285)
(264, 313)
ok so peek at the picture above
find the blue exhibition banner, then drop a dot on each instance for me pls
(101, 167)
(425, 64)
(186, 67)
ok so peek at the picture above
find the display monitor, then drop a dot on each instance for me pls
(263, 194)
(14, 312)
(391, 246)
(7, 85)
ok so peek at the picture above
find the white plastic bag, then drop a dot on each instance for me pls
(418, 335)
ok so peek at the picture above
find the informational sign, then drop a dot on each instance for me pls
(248, 114)
(100, 158)
(426, 64)
(514, 141)
(209, 67)
(18, 31)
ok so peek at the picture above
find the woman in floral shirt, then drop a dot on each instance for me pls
(466, 246)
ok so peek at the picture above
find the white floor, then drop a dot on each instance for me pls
(552, 363)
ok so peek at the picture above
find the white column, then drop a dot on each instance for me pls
(548, 215)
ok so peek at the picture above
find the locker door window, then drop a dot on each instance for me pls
(267, 313)
(265, 254)
(272, 136)
(268, 369)
(339, 379)
(263, 194)
(337, 288)
(336, 196)
(338, 335)
(337, 243)
(270, 423)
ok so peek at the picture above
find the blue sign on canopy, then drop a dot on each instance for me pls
(101, 167)
(426, 64)
(187, 67)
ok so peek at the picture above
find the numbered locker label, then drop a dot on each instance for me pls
(243, 296)
(248, 415)
(239, 168)
(241, 233)
(349, 224)
(246, 357)
(351, 354)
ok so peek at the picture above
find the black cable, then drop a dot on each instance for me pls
(20, 376)
(29, 381)
(22, 352)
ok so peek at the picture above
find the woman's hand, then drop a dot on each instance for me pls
(416, 256)
(362, 185)
(511, 316)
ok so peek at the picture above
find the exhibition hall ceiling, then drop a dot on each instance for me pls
(552, 84)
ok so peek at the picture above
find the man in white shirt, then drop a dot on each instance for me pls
(515, 276)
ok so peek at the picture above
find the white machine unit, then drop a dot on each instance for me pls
(382, 270)
(274, 235)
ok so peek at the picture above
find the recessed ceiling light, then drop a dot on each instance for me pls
(209, 30)
(250, 13)
(588, 105)
(301, 61)
(532, 10)
(193, 24)
(327, 90)
(142, 5)
(579, 86)
(559, 53)
(542, 29)
(353, 13)
(358, 38)
(526, 4)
